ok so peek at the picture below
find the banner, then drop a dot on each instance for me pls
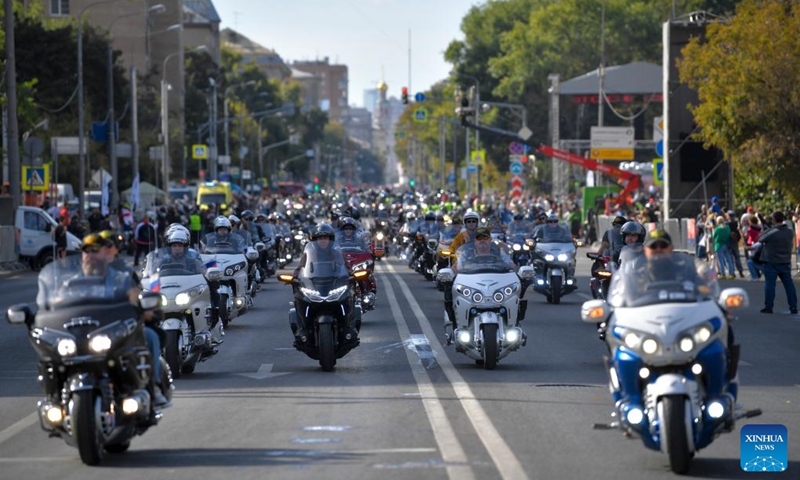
(135, 192)
(105, 179)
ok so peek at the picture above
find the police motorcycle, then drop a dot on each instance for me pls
(325, 316)
(227, 271)
(488, 306)
(554, 262)
(94, 364)
(191, 326)
(672, 363)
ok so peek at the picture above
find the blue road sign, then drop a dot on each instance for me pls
(515, 168)
(515, 148)
(658, 171)
(420, 97)
(660, 148)
(472, 169)
(421, 115)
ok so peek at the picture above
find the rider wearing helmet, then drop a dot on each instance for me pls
(612, 238)
(177, 250)
(633, 234)
(348, 235)
(471, 222)
(222, 234)
(519, 226)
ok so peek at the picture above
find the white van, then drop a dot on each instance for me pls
(36, 243)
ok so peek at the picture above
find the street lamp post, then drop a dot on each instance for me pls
(112, 142)
(165, 118)
(477, 122)
(225, 113)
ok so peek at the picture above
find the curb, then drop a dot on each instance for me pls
(12, 267)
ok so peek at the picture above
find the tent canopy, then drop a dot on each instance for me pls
(148, 193)
(633, 78)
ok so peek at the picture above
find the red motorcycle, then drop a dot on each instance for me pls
(358, 258)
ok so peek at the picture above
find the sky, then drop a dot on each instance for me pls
(365, 35)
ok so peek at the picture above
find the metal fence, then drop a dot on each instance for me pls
(682, 230)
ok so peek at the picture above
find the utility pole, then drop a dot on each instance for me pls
(442, 140)
(14, 176)
(134, 125)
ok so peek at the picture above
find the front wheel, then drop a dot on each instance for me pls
(327, 357)
(86, 429)
(674, 434)
(555, 288)
(489, 346)
(224, 315)
(173, 351)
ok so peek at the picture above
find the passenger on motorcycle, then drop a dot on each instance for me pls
(236, 229)
(612, 238)
(633, 234)
(471, 221)
(519, 226)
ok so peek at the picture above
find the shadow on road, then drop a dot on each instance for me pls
(221, 457)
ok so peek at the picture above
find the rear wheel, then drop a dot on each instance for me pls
(555, 287)
(172, 351)
(44, 258)
(674, 433)
(86, 427)
(327, 358)
(489, 346)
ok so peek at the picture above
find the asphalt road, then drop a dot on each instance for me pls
(401, 405)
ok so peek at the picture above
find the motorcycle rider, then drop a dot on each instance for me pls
(322, 239)
(222, 234)
(519, 226)
(612, 238)
(236, 229)
(347, 235)
(633, 235)
(551, 231)
(471, 222)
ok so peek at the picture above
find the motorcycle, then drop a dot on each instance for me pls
(358, 259)
(602, 271)
(187, 315)
(554, 263)
(94, 364)
(487, 299)
(325, 293)
(253, 272)
(231, 284)
(521, 249)
(672, 380)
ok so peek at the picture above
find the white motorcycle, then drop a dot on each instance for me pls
(672, 364)
(234, 298)
(488, 307)
(186, 305)
(554, 263)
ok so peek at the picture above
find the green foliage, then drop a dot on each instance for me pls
(746, 74)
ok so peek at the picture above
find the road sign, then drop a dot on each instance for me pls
(156, 153)
(517, 182)
(658, 135)
(35, 178)
(525, 132)
(515, 168)
(420, 97)
(32, 147)
(478, 157)
(200, 151)
(472, 169)
(224, 160)
(246, 174)
(421, 115)
(612, 153)
(515, 148)
(658, 171)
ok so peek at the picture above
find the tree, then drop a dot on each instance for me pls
(746, 75)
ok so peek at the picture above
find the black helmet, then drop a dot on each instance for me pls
(322, 230)
(348, 222)
(519, 217)
(430, 216)
(355, 213)
(261, 217)
(247, 215)
(439, 217)
(633, 228)
(618, 220)
(334, 216)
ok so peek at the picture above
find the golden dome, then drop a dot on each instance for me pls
(382, 86)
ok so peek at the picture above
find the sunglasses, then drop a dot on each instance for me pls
(658, 246)
(552, 221)
(91, 248)
(483, 238)
(471, 221)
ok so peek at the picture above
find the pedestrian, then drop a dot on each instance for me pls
(722, 237)
(145, 236)
(753, 232)
(60, 239)
(735, 241)
(778, 246)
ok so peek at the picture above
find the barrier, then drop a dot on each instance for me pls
(8, 252)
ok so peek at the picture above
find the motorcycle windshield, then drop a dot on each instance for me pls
(668, 278)
(448, 236)
(471, 262)
(69, 282)
(225, 248)
(556, 249)
(323, 262)
(558, 234)
(167, 265)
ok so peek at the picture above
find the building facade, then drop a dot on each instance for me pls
(267, 60)
(333, 85)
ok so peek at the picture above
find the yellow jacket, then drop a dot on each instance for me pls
(462, 238)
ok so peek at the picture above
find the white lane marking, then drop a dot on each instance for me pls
(449, 446)
(504, 459)
(742, 363)
(264, 371)
(16, 428)
(584, 295)
(327, 428)
(420, 344)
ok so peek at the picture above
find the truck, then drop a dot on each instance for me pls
(217, 193)
(34, 228)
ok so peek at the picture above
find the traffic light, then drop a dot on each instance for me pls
(316, 184)
(183, 181)
(411, 183)
(405, 96)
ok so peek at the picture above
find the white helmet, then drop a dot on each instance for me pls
(175, 226)
(234, 220)
(178, 235)
(472, 215)
(222, 222)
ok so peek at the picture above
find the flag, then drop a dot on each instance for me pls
(154, 284)
(135, 192)
(211, 263)
(105, 179)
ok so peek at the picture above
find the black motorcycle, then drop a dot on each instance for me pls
(326, 317)
(94, 364)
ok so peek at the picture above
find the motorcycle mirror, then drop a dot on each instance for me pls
(286, 278)
(20, 313)
(445, 275)
(733, 299)
(149, 300)
(594, 311)
(214, 274)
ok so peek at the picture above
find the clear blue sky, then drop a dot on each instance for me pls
(362, 34)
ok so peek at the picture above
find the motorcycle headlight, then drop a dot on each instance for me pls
(164, 301)
(67, 347)
(379, 236)
(686, 344)
(517, 247)
(298, 237)
(477, 297)
(312, 294)
(650, 346)
(336, 292)
(549, 257)
(498, 297)
(637, 341)
(185, 297)
(695, 337)
(467, 292)
(100, 343)
(563, 257)
(510, 289)
(526, 248)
